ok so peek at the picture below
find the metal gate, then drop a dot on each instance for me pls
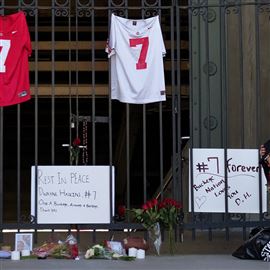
(215, 69)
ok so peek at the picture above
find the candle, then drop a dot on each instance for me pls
(132, 252)
(140, 254)
(15, 255)
(25, 252)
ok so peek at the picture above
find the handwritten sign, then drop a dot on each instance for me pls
(243, 188)
(72, 194)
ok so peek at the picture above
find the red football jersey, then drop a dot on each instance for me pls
(15, 48)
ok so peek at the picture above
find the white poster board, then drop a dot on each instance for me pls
(72, 194)
(208, 185)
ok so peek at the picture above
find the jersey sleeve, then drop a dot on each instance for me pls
(26, 34)
(111, 42)
(163, 49)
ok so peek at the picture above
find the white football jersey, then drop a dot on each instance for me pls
(136, 49)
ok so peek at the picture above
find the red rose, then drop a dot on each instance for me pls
(76, 141)
(154, 201)
(149, 204)
(145, 207)
(161, 205)
(121, 210)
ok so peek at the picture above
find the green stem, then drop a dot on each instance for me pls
(171, 241)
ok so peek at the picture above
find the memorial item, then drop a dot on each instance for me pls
(136, 50)
(154, 215)
(257, 247)
(15, 49)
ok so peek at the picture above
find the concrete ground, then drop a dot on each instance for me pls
(151, 262)
(198, 254)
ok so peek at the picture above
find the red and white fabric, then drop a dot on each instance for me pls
(15, 49)
(136, 49)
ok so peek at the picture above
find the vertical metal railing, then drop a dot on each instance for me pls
(170, 14)
(36, 109)
(223, 49)
(1, 170)
(258, 98)
(18, 163)
(53, 12)
(93, 92)
(179, 142)
(109, 12)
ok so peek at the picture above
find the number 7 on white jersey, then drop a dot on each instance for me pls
(133, 42)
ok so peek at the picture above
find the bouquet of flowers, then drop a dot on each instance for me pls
(106, 252)
(98, 252)
(169, 210)
(154, 214)
(149, 216)
(59, 249)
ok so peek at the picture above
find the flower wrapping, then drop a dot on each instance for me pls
(155, 235)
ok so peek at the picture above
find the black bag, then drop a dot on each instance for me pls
(252, 248)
